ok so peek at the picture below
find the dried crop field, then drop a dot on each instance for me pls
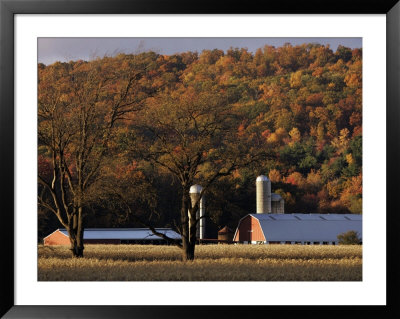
(212, 263)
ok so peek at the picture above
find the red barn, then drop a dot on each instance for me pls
(249, 230)
(57, 237)
(296, 228)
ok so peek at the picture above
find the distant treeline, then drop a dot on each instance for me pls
(301, 105)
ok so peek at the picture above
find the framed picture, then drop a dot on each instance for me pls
(22, 23)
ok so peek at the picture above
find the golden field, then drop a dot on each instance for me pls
(212, 263)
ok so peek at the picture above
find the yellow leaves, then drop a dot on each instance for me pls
(349, 159)
(352, 194)
(212, 151)
(331, 129)
(278, 136)
(337, 67)
(270, 91)
(353, 186)
(353, 80)
(295, 79)
(236, 174)
(344, 133)
(188, 77)
(64, 98)
(225, 63)
(273, 138)
(295, 135)
(318, 72)
(334, 188)
(314, 179)
(275, 176)
(341, 143)
(281, 132)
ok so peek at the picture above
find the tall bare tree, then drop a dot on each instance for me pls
(79, 105)
(194, 136)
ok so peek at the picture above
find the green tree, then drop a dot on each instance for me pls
(349, 238)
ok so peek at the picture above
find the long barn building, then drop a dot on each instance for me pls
(317, 229)
(112, 236)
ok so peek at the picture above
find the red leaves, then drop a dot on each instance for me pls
(295, 179)
(266, 133)
(241, 130)
(125, 171)
(177, 149)
(315, 99)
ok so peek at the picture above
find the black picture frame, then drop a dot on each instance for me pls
(8, 8)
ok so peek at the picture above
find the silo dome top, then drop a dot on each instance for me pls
(195, 189)
(262, 178)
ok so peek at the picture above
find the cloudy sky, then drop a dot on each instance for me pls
(65, 49)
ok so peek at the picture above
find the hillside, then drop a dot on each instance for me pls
(295, 110)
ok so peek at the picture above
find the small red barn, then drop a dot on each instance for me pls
(57, 238)
(225, 235)
(249, 230)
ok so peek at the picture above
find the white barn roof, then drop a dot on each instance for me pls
(307, 227)
(125, 233)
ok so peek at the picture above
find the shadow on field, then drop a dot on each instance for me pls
(134, 253)
(112, 252)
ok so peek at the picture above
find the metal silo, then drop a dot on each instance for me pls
(282, 206)
(263, 188)
(194, 192)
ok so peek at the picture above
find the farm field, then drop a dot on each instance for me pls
(212, 263)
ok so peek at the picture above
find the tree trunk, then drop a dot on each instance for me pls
(75, 232)
(188, 244)
(77, 250)
(188, 247)
(188, 251)
(76, 247)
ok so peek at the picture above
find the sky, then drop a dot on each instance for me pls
(51, 50)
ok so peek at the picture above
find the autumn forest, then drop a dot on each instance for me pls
(121, 139)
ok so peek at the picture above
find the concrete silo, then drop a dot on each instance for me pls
(263, 188)
(277, 204)
(194, 192)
